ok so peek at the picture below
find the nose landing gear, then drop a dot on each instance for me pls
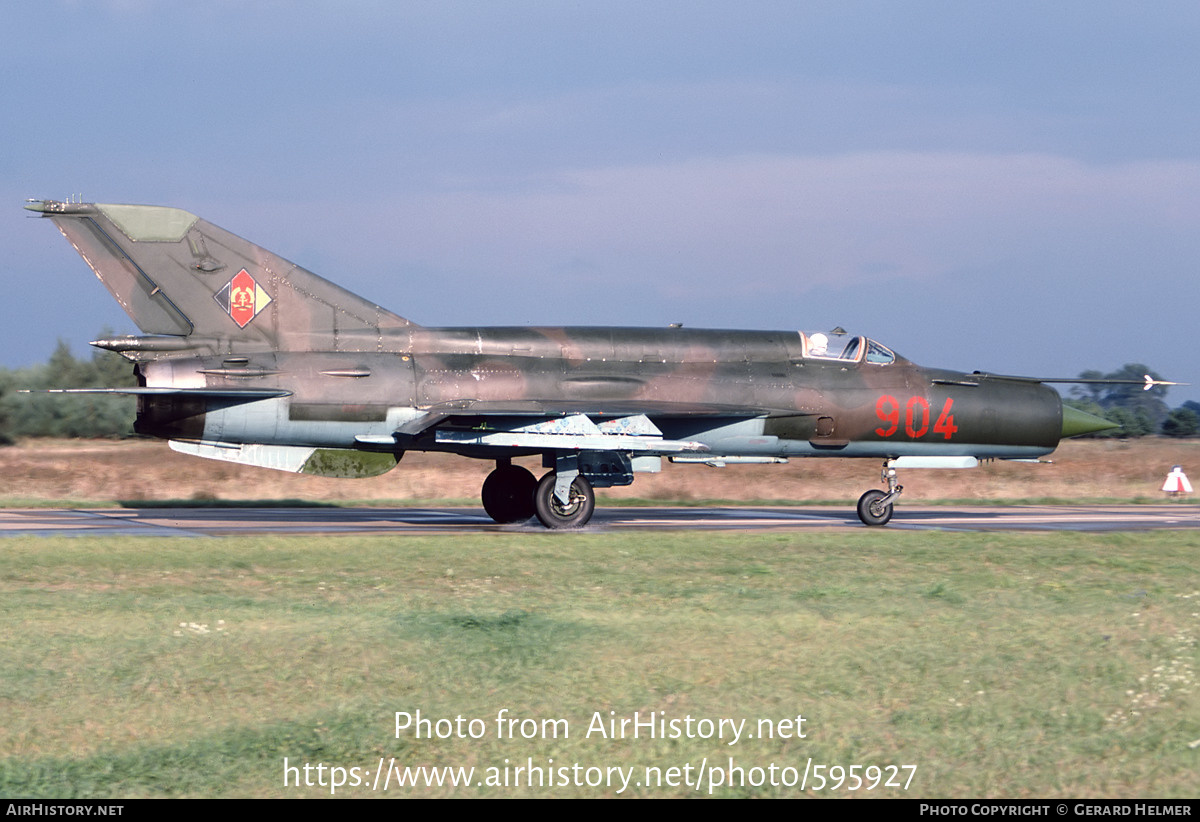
(875, 506)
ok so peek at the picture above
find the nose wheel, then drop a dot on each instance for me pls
(875, 506)
(872, 510)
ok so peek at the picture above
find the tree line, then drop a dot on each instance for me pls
(1136, 412)
(78, 415)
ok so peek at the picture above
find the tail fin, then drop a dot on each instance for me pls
(178, 275)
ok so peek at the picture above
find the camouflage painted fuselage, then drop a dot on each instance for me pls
(737, 392)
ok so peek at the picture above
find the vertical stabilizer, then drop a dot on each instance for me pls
(178, 275)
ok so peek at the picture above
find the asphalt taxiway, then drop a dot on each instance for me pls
(214, 522)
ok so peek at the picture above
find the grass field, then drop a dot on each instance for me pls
(1049, 665)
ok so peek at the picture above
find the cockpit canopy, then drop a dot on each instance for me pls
(820, 345)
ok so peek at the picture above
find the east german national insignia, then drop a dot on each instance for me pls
(242, 298)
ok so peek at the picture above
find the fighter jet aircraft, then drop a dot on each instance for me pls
(249, 358)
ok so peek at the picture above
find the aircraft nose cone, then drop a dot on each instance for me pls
(1076, 422)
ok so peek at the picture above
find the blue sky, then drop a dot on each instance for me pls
(1004, 186)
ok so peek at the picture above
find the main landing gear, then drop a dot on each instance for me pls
(512, 494)
(875, 506)
(508, 493)
(574, 513)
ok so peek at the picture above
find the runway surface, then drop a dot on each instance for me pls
(213, 522)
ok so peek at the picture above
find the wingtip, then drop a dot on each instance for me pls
(58, 207)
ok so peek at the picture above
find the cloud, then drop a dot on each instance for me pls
(785, 224)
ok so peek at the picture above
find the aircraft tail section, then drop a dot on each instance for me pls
(177, 275)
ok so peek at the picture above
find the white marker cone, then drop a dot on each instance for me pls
(1177, 482)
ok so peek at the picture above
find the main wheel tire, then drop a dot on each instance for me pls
(508, 494)
(574, 514)
(870, 511)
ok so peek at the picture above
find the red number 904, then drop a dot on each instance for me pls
(916, 417)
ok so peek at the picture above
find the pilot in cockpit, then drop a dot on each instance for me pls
(818, 345)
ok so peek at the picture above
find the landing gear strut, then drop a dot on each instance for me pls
(875, 506)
